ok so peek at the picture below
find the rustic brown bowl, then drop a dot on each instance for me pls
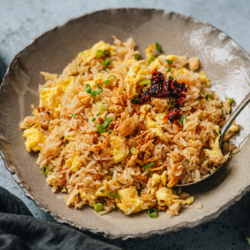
(226, 64)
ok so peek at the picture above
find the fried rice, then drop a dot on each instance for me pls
(109, 136)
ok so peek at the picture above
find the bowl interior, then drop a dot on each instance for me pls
(226, 64)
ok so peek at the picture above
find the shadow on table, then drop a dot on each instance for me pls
(3, 68)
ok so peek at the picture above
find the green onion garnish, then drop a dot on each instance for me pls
(247, 238)
(106, 62)
(158, 47)
(33, 115)
(98, 114)
(171, 104)
(169, 61)
(100, 129)
(171, 78)
(45, 170)
(169, 69)
(92, 92)
(127, 136)
(99, 53)
(135, 101)
(151, 60)
(152, 212)
(231, 100)
(106, 53)
(73, 115)
(100, 89)
(67, 142)
(91, 152)
(187, 162)
(145, 82)
(209, 96)
(93, 119)
(110, 131)
(133, 151)
(106, 82)
(216, 132)
(107, 121)
(181, 120)
(115, 195)
(98, 207)
(148, 166)
(137, 56)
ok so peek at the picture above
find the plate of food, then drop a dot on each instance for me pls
(104, 118)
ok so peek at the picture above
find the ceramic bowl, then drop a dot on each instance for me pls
(225, 62)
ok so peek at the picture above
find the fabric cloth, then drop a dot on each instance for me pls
(19, 230)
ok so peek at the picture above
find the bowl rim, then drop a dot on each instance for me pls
(105, 233)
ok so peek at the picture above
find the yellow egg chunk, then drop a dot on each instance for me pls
(120, 151)
(75, 163)
(130, 202)
(155, 179)
(33, 137)
(91, 53)
(149, 51)
(165, 196)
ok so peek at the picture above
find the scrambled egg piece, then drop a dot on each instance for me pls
(149, 51)
(204, 79)
(165, 196)
(155, 179)
(91, 53)
(144, 109)
(137, 73)
(51, 179)
(116, 144)
(75, 163)
(181, 72)
(33, 137)
(155, 128)
(90, 198)
(51, 96)
(130, 202)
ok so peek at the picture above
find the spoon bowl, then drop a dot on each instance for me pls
(224, 129)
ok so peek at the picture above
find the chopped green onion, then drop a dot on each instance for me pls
(231, 100)
(171, 104)
(115, 195)
(106, 53)
(107, 121)
(187, 162)
(151, 60)
(137, 56)
(45, 170)
(135, 101)
(169, 69)
(169, 61)
(133, 151)
(106, 82)
(152, 212)
(216, 132)
(148, 166)
(67, 142)
(247, 238)
(98, 114)
(111, 76)
(100, 89)
(91, 152)
(93, 119)
(209, 96)
(112, 116)
(171, 78)
(99, 53)
(106, 62)
(110, 131)
(92, 92)
(181, 120)
(98, 207)
(158, 47)
(145, 82)
(33, 115)
(100, 129)
(88, 89)
(73, 115)
(100, 107)
(127, 136)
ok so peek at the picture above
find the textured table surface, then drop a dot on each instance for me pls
(22, 20)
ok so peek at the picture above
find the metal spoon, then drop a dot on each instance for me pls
(223, 131)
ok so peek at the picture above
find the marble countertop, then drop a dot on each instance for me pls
(21, 21)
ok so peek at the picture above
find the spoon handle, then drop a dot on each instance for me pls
(233, 117)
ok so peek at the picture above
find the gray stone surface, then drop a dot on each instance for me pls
(22, 20)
